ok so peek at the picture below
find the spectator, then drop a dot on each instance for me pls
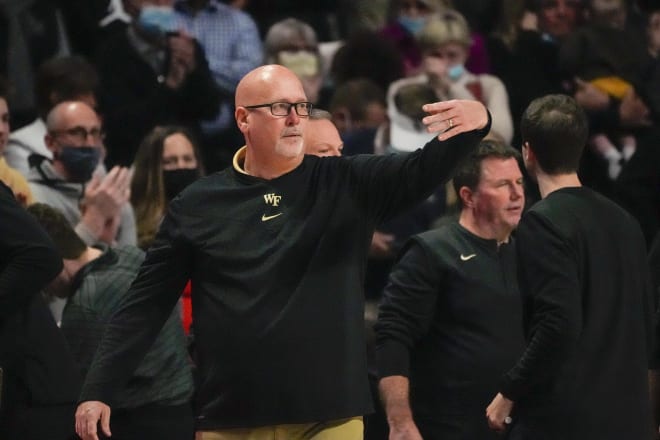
(524, 51)
(60, 79)
(167, 162)
(358, 110)
(151, 74)
(367, 55)
(8, 175)
(89, 22)
(406, 18)
(31, 31)
(232, 46)
(404, 131)
(444, 42)
(326, 17)
(155, 402)
(293, 44)
(89, 203)
(608, 60)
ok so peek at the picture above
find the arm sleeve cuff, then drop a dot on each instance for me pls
(95, 392)
(392, 359)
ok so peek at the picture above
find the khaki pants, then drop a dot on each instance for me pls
(343, 429)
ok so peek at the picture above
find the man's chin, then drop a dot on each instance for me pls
(290, 149)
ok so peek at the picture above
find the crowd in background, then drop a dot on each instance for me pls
(109, 108)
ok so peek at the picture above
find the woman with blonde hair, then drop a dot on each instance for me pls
(445, 42)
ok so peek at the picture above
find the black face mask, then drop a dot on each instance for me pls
(80, 162)
(177, 180)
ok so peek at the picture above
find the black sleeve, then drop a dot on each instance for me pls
(549, 281)
(387, 185)
(134, 326)
(407, 309)
(28, 258)
(654, 265)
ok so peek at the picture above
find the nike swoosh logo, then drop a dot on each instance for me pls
(265, 218)
(467, 257)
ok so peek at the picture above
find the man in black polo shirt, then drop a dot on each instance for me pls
(450, 322)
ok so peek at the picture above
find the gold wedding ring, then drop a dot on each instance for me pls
(451, 123)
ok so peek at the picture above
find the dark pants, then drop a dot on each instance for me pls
(152, 421)
(457, 427)
(56, 422)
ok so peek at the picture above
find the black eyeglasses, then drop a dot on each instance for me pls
(303, 108)
(80, 134)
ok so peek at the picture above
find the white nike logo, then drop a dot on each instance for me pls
(265, 218)
(467, 257)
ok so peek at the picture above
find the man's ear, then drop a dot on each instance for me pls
(241, 115)
(467, 196)
(528, 153)
(49, 140)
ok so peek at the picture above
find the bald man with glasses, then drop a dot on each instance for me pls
(74, 180)
(275, 247)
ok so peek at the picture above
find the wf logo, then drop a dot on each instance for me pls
(272, 199)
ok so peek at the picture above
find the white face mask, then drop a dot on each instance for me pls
(301, 62)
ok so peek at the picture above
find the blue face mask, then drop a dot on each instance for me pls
(413, 25)
(455, 72)
(79, 162)
(157, 20)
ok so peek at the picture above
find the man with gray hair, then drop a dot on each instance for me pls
(322, 138)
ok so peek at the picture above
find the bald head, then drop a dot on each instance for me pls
(74, 136)
(261, 83)
(70, 113)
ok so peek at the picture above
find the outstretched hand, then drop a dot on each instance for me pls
(88, 415)
(453, 117)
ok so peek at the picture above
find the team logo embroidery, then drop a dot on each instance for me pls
(271, 199)
(265, 218)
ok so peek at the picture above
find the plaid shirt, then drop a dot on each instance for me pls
(164, 375)
(231, 42)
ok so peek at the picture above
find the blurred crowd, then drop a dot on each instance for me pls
(110, 108)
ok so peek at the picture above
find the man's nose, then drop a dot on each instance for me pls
(292, 118)
(517, 192)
